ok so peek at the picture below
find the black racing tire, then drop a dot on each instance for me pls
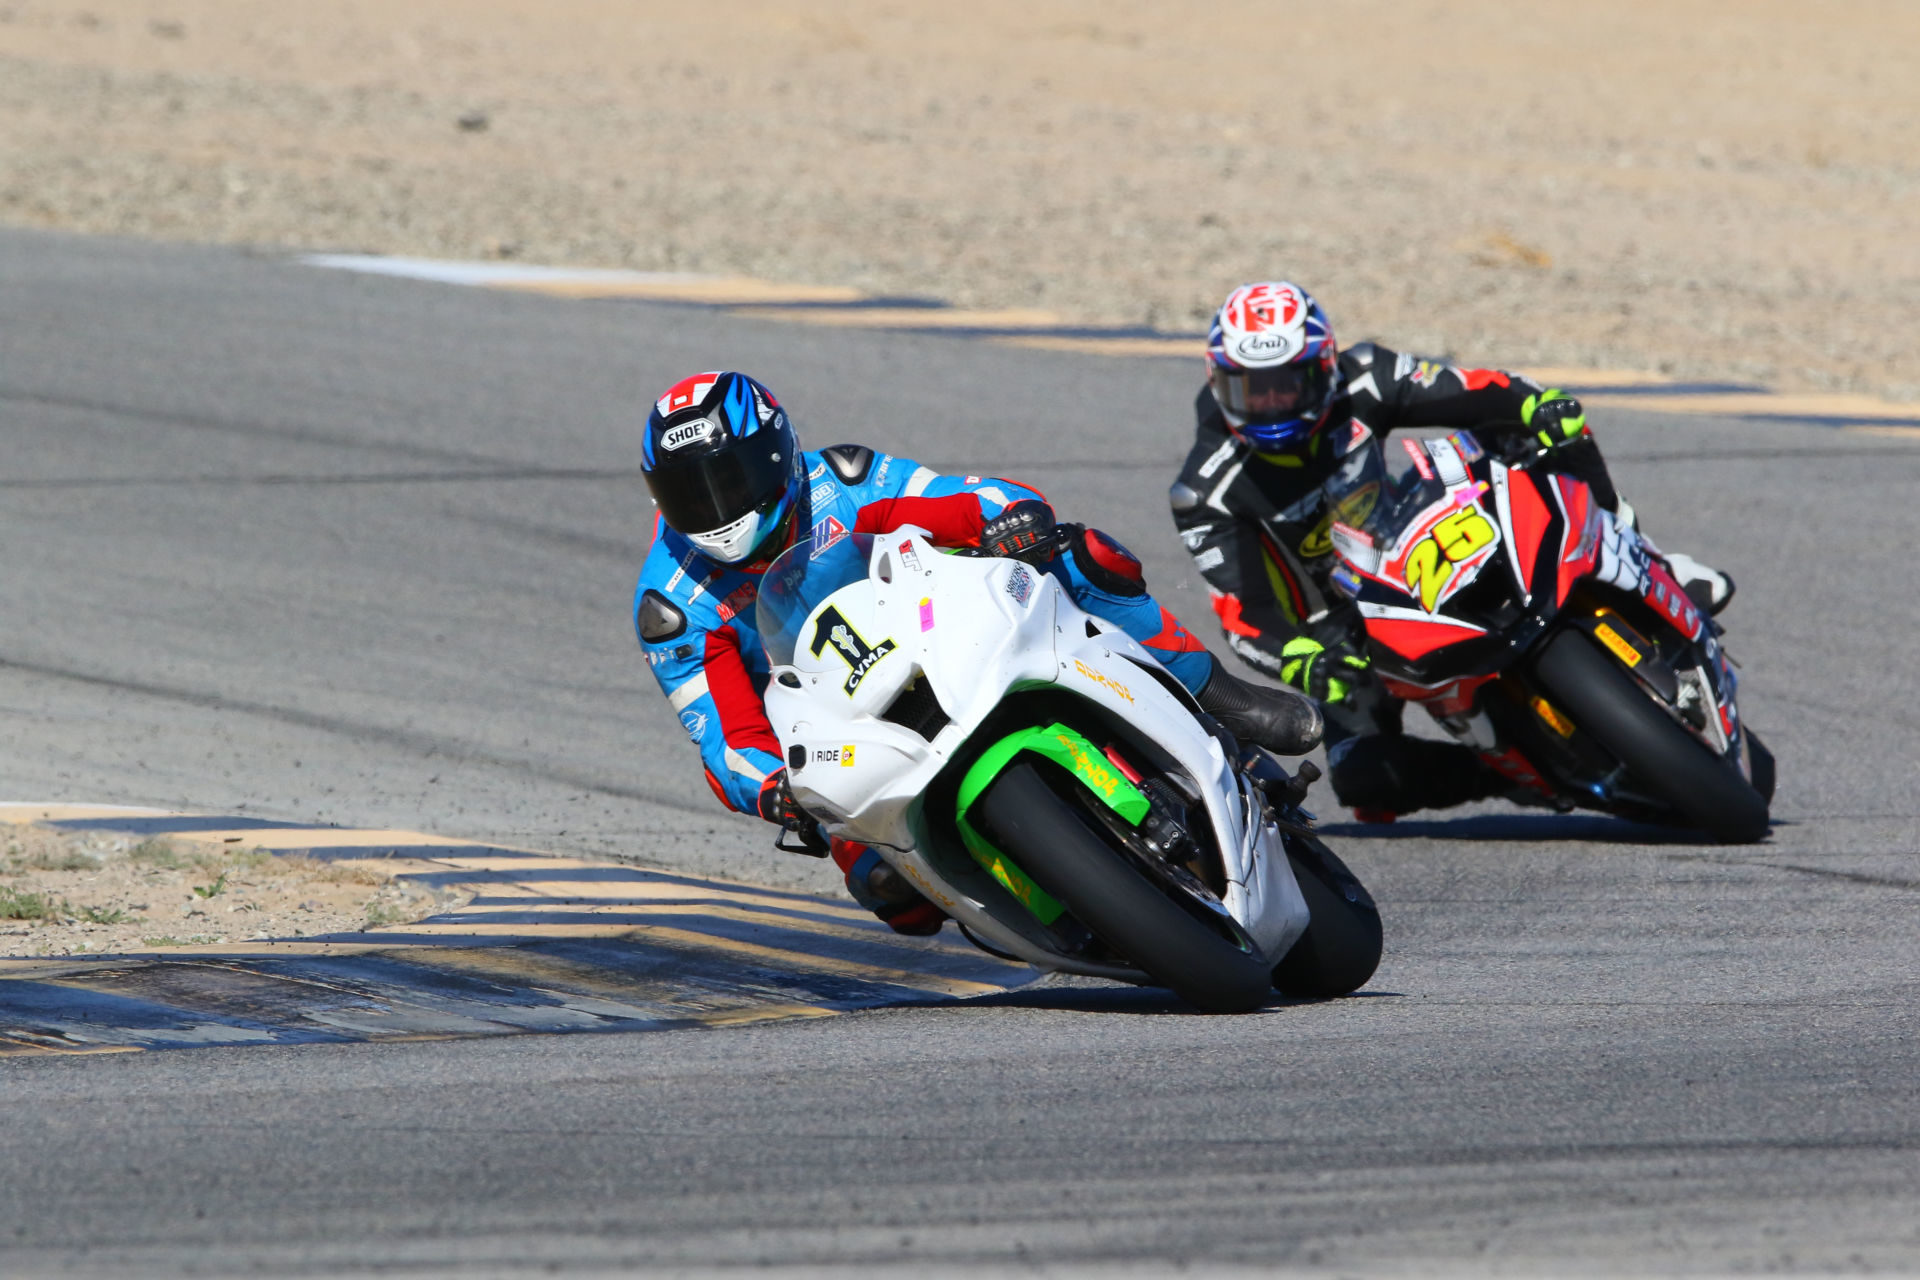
(1669, 762)
(1341, 947)
(1068, 858)
(1760, 760)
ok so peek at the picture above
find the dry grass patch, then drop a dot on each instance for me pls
(67, 893)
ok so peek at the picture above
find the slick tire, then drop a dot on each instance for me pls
(1068, 858)
(1761, 761)
(1669, 762)
(1341, 947)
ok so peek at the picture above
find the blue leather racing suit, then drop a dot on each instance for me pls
(695, 618)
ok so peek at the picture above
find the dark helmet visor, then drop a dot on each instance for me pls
(1274, 395)
(709, 491)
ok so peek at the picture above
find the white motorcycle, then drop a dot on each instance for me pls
(1042, 779)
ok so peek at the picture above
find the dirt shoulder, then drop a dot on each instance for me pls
(74, 893)
(1711, 190)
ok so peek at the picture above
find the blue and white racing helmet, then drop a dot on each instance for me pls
(723, 465)
(1273, 364)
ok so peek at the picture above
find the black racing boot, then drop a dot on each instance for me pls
(1284, 722)
(1384, 775)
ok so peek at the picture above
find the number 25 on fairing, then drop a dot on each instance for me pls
(1430, 564)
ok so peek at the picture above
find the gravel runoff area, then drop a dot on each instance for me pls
(72, 893)
(1712, 190)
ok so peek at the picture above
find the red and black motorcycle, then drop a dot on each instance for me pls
(1481, 590)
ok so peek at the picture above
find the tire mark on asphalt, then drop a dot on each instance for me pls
(406, 739)
(1825, 873)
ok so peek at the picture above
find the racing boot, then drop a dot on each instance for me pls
(1708, 588)
(876, 886)
(1384, 775)
(1284, 722)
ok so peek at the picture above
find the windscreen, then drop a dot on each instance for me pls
(794, 585)
(1367, 494)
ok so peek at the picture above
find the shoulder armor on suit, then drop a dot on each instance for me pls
(660, 619)
(850, 462)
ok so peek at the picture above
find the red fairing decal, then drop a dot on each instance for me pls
(1414, 640)
(1577, 551)
(1530, 521)
(1454, 698)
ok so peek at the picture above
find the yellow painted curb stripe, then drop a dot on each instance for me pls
(450, 927)
(761, 961)
(906, 318)
(1195, 348)
(1766, 404)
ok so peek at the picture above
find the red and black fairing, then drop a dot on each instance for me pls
(1461, 649)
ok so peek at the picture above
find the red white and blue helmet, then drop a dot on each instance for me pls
(1273, 364)
(724, 466)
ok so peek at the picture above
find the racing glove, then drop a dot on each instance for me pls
(1555, 417)
(1559, 428)
(1325, 675)
(778, 806)
(1020, 532)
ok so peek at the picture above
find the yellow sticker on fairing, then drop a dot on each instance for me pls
(1607, 636)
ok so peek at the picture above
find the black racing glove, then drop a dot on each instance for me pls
(1020, 532)
(778, 806)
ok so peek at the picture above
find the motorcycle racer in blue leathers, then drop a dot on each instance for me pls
(734, 489)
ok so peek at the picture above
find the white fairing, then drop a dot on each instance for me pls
(976, 628)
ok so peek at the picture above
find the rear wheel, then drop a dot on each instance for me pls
(1663, 757)
(1066, 856)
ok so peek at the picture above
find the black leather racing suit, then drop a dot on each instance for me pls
(1257, 528)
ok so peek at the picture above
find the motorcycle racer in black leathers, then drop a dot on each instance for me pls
(1249, 508)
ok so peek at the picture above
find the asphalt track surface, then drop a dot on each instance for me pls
(303, 544)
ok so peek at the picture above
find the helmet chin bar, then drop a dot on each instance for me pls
(730, 543)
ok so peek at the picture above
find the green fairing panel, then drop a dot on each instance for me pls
(1079, 757)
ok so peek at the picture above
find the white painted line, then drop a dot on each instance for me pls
(489, 274)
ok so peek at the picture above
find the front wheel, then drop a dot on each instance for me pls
(1049, 840)
(1341, 947)
(1663, 757)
